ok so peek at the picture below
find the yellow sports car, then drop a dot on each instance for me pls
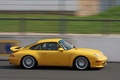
(56, 52)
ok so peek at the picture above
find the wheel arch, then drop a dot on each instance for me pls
(73, 63)
(28, 55)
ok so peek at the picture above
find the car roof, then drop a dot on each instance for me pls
(49, 40)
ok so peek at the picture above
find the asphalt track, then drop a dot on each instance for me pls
(9, 72)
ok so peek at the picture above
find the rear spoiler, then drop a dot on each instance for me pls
(15, 48)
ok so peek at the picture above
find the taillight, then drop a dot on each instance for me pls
(12, 55)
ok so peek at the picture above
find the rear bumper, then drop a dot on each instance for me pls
(14, 61)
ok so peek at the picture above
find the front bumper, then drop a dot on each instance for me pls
(99, 63)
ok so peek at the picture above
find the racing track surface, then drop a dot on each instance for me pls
(9, 72)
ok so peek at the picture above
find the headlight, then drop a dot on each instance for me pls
(102, 53)
(96, 55)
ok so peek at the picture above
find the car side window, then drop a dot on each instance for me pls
(50, 46)
(46, 46)
(36, 47)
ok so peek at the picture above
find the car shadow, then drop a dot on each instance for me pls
(64, 68)
(46, 68)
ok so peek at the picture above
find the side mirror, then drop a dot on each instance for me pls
(61, 49)
(74, 47)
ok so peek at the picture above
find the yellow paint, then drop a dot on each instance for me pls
(59, 57)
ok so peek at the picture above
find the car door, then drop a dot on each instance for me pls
(54, 57)
(37, 50)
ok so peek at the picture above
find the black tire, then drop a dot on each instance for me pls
(28, 62)
(81, 63)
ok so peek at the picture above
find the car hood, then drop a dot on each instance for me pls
(88, 50)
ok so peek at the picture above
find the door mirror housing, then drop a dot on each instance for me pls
(74, 47)
(61, 49)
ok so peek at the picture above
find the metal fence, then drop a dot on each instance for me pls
(63, 25)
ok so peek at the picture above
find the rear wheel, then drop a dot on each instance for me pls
(28, 62)
(81, 63)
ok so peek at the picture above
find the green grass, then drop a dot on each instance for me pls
(78, 27)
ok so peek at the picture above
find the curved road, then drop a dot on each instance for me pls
(9, 72)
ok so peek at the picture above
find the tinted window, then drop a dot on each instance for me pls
(51, 46)
(36, 47)
(46, 46)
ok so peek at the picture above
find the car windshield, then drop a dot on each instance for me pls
(65, 45)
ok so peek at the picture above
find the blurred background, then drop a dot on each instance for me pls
(23, 22)
(60, 16)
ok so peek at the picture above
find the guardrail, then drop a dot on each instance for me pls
(62, 25)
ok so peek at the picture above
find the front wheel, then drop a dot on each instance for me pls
(81, 63)
(28, 62)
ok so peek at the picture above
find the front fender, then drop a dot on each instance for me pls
(75, 55)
